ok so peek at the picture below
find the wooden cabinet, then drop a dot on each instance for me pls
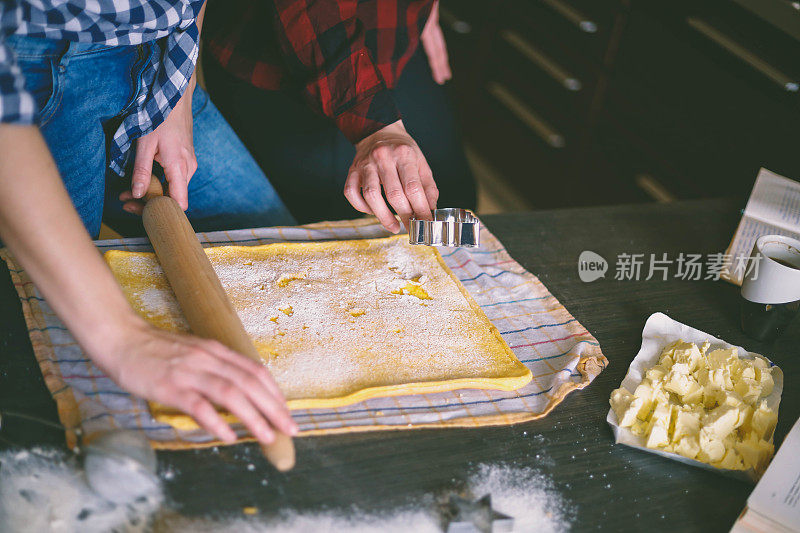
(580, 102)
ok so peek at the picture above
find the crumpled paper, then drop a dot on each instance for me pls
(660, 331)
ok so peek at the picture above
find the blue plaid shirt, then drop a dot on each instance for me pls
(111, 22)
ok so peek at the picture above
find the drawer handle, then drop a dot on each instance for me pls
(572, 15)
(654, 189)
(455, 23)
(539, 126)
(743, 54)
(538, 58)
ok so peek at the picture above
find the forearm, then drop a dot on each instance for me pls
(42, 229)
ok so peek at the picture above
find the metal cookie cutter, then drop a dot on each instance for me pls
(449, 227)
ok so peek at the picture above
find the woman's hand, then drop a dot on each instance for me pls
(435, 47)
(194, 375)
(391, 160)
(172, 146)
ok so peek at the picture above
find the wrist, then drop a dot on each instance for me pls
(186, 97)
(394, 129)
(109, 337)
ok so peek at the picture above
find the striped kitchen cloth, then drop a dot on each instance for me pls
(561, 354)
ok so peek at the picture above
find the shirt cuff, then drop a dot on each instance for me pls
(368, 116)
(17, 105)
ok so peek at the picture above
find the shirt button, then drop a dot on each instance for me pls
(62, 69)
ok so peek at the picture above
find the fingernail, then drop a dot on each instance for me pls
(138, 190)
(293, 429)
(229, 437)
(266, 436)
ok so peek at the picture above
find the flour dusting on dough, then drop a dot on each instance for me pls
(330, 318)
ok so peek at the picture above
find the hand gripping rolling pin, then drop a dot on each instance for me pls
(203, 300)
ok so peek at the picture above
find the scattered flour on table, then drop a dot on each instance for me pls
(520, 492)
(525, 494)
(45, 490)
(355, 521)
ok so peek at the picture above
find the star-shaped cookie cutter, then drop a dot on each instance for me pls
(449, 227)
(465, 515)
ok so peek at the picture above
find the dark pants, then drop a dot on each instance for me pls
(307, 158)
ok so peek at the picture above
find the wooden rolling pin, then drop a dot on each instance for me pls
(203, 300)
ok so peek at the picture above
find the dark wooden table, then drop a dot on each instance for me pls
(611, 487)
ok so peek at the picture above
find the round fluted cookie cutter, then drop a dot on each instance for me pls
(449, 227)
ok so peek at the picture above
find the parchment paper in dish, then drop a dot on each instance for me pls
(660, 331)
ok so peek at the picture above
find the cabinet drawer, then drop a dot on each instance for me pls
(545, 175)
(580, 28)
(539, 75)
(619, 156)
(711, 116)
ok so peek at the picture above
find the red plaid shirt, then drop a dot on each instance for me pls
(345, 55)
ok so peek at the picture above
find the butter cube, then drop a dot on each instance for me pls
(629, 417)
(620, 402)
(687, 446)
(755, 452)
(656, 374)
(763, 421)
(680, 383)
(722, 420)
(712, 449)
(746, 417)
(721, 378)
(721, 359)
(687, 353)
(760, 362)
(666, 361)
(658, 437)
(644, 390)
(659, 426)
(748, 389)
(733, 399)
(669, 349)
(687, 424)
(748, 370)
(680, 368)
(767, 382)
(662, 414)
(640, 427)
(713, 396)
(694, 394)
(731, 460)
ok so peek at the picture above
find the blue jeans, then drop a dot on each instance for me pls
(82, 90)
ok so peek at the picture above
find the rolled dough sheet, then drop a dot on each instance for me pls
(341, 322)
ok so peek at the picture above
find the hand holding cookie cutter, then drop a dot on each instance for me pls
(449, 227)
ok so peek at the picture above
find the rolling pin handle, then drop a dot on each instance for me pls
(281, 452)
(154, 189)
